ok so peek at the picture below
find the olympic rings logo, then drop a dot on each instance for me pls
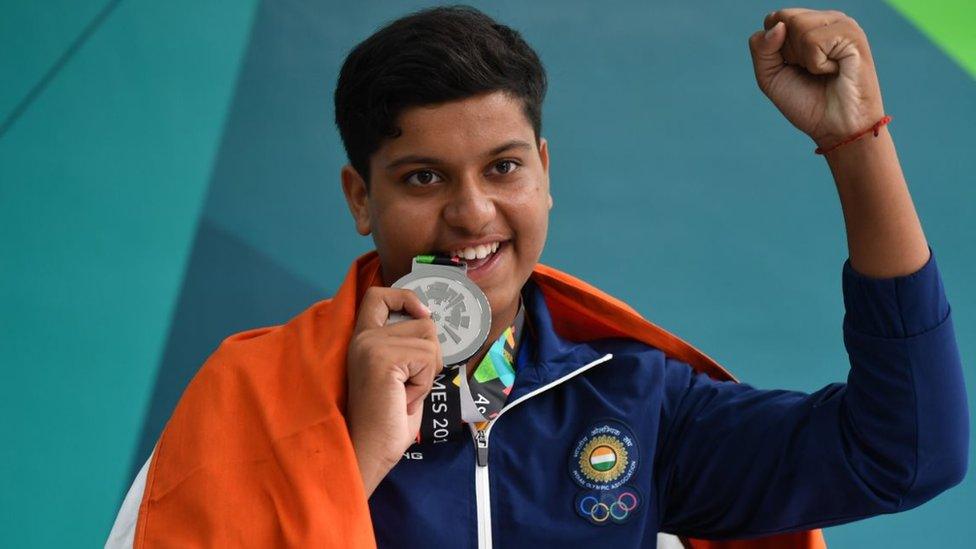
(599, 512)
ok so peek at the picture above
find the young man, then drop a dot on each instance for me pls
(600, 428)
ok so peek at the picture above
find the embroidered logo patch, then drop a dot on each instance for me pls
(601, 507)
(602, 461)
(605, 457)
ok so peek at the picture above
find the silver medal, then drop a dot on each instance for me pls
(459, 308)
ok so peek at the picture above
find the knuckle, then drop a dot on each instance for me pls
(433, 348)
(359, 341)
(435, 368)
(406, 294)
(373, 294)
(847, 20)
(429, 375)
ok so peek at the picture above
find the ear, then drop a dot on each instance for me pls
(357, 197)
(544, 158)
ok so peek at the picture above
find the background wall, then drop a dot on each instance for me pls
(169, 175)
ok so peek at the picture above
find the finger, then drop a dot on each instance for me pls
(813, 50)
(414, 407)
(423, 367)
(378, 302)
(426, 347)
(417, 362)
(417, 394)
(799, 22)
(774, 17)
(422, 328)
(822, 48)
(767, 60)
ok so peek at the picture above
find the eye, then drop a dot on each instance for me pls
(421, 178)
(506, 167)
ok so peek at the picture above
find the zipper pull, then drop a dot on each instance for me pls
(481, 442)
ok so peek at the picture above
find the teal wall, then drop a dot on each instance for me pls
(169, 175)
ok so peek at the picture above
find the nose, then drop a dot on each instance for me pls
(470, 208)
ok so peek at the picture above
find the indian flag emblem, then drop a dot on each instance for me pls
(603, 458)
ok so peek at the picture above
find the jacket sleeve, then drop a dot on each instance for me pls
(736, 462)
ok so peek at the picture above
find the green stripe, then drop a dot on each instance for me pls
(948, 23)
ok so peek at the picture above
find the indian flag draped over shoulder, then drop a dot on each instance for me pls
(603, 458)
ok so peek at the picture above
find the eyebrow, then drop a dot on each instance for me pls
(418, 159)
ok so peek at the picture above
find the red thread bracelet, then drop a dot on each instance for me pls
(875, 128)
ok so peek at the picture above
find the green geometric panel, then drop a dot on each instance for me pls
(102, 179)
(951, 24)
(729, 224)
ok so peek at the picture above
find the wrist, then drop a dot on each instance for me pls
(373, 464)
(859, 151)
(835, 141)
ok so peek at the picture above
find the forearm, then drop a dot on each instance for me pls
(884, 234)
(373, 468)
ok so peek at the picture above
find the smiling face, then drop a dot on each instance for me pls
(460, 174)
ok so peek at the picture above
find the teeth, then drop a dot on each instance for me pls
(477, 252)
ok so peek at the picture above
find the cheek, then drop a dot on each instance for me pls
(399, 220)
(401, 229)
(399, 233)
(530, 216)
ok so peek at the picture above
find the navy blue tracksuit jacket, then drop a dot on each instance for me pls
(609, 442)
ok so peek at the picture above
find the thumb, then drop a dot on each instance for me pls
(766, 57)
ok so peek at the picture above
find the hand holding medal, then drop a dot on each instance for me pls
(404, 336)
(391, 368)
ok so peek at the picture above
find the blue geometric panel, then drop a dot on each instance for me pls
(172, 176)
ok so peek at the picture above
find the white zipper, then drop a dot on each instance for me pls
(483, 497)
(480, 436)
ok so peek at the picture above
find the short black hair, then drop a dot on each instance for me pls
(432, 56)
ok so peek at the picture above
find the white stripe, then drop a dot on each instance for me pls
(608, 458)
(481, 479)
(123, 534)
(482, 491)
(548, 386)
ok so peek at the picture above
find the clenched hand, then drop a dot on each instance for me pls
(391, 370)
(816, 67)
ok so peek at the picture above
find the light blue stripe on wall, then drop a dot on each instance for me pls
(101, 184)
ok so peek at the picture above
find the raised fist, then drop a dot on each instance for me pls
(816, 67)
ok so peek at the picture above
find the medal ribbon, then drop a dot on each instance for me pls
(455, 398)
(492, 380)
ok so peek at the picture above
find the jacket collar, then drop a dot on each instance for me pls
(544, 342)
(543, 355)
